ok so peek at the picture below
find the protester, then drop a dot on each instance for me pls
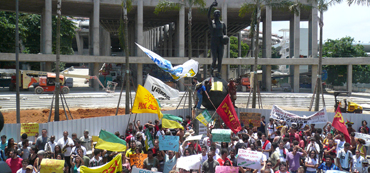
(14, 162)
(97, 160)
(151, 161)
(49, 147)
(312, 162)
(328, 164)
(86, 140)
(209, 166)
(42, 140)
(293, 158)
(24, 152)
(40, 156)
(344, 158)
(66, 144)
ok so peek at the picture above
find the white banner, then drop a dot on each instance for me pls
(159, 89)
(249, 159)
(137, 170)
(189, 162)
(188, 69)
(194, 138)
(316, 118)
(365, 137)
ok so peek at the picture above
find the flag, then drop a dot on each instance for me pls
(188, 69)
(204, 117)
(228, 114)
(148, 140)
(146, 103)
(115, 165)
(110, 142)
(159, 89)
(338, 123)
(170, 122)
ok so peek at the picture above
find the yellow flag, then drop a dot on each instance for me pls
(115, 165)
(146, 103)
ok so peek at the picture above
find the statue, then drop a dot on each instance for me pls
(218, 38)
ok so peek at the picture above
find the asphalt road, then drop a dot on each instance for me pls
(87, 98)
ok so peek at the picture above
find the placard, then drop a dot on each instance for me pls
(137, 170)
(30, 128)
(189, 162)
(227, 169)
(194, 138)
(169, 143)
(248, 118)
(52, 165)
(221, 135)
(138, 160)
(365, 137)
(249, 159)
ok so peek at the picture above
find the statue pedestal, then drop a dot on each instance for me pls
(216, 96)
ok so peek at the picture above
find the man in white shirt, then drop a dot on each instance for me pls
(313, 146)
(266, 146)
(66, 144)
(340, 142)
(78, 145)
(357, 161)
(282, 152)
(86, 140)
(271, 129)
(50, 145)
(344, 158)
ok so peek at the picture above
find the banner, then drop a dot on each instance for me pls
(365, 137)
(188, 69)
(249, 118)
(52, 165)
(249, 159)
(194, 138)
(138, 160)
(204, 117)
(228, 114)
(227, 169)
(145, 102)
(169, 143)
(189, 162)
(319, 117)
(221, 135)
(335, 171)
(137, 170)
(159, 89)
(110, 142)
(338, 123)
(29, 128)
(115, 165)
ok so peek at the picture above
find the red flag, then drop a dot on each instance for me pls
(338, 123)
(228, 114)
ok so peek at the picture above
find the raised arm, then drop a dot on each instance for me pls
(214, 4)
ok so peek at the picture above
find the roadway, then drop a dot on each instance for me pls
(87, 98)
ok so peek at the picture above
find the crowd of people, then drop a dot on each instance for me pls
(286, 149)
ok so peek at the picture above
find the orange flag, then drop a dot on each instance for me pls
(338, 123)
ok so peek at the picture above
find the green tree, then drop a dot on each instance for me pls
(234, 51)
(344, 47)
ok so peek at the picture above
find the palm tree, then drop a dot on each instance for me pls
(359, 2)
(165, 5)
(255, 6)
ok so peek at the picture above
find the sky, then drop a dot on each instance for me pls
(339, 21)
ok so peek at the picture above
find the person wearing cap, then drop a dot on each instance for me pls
(14, 162)
(349, 127)
(29, 169)
(86, 140)
(365, 166)
(357, 161)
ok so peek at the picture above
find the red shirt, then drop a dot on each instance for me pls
(222, 162)
(14, 164)
(128, 138)
(326, 147)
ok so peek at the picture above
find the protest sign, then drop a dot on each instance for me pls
(249, 118)
(115, 165)
(227, 169)
(249, 159)
(335, 171)
(204, 117)
(169, 143)
(52, 165)
(194, 138)
(29, 128)
(319, 117)
(189, 162)
(137, 170)
(138, 160)
(159, 89)
(221, 135)
(365, 137)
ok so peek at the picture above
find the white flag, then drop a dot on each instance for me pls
(159, 89)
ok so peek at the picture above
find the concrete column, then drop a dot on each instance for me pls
(314, 33)
(139, 26)
(268, 78)
(206, 47)
(349, 78)
(105, 42)
(291, 50)
(296, 79)
(78, 42)
(91, 38)
(47, 36)
(42, 18)
(205, 69)
(96, 40)
(140, 74)
(224, 19)
(181, 34)
(165, 40)
(297, 21)
(160, 41)
(267, 31)
(314, 77)
(170, 39)
(224, 72)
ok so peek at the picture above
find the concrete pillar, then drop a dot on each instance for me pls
(205, 69)
(349, 78)
(165, 40)
(79, 44)
(181, 34)
(160, 41)
(314, 77)
(266, 46)
(105, 42)
(291, 50)
(314, 33)
(206, 47)
(42, 18)
(296, 79)
(140, 74)
(47, 30)
(224, 19)
(268, 78)
(224, 72)
(91, 38)
(170, 39)
(96, 40)
(297, 21)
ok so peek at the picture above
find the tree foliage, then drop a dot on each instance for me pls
(234, 51)
(345, 47)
